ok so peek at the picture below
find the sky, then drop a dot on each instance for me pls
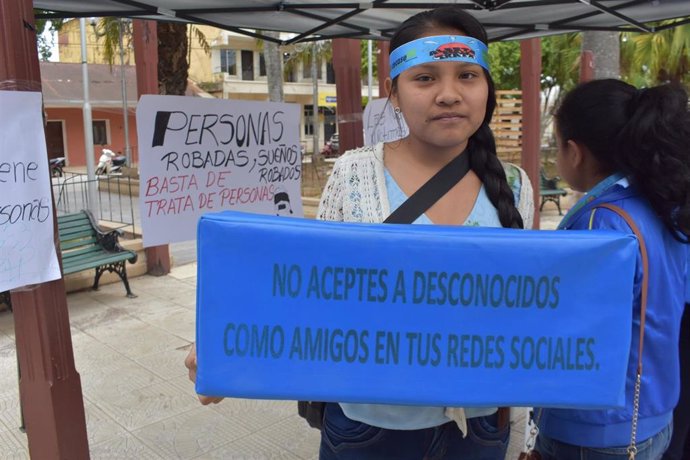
(51, 37)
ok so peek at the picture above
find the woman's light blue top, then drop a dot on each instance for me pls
(483, 214)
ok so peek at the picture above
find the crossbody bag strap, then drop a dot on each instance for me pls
(431, 191)
(632, 448)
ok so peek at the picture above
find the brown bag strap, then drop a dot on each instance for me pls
(632, 448)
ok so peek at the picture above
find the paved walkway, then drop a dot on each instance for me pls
(138, 400)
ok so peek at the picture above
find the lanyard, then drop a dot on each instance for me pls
(590, 196)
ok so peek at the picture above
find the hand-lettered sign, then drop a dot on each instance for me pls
(381, 124)
(199, 155)
(27, 244)
(412, 314)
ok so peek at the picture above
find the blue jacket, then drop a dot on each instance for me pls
(660, 375)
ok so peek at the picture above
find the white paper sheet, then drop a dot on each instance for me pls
(381, 124)
(201, 155)
(27, 248)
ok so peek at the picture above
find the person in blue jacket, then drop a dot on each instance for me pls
(631, 148)
(680, 441)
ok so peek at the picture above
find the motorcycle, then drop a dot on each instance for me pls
(327, 150)
(110, 163)
(57, 166)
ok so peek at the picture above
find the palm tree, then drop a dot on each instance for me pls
(661, 57)
(173, 49)
(311, 54)
(606, 49)
(44, 44)
(274, 64)
(560, 71)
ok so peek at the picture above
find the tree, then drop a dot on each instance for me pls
(364, 67)
(173, 49)
(173, 67)
(312, 54)
(46, 26)
(560, 71)
(504, 62)
(274, 71)
(661, 57)
(605, 46)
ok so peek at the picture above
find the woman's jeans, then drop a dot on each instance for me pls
(650, 449)
(346, 439)
(680, 441)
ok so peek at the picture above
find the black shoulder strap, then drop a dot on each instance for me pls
(431, 191)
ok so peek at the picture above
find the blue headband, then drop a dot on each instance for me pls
(438, 48)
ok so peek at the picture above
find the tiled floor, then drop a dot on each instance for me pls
(139, 403)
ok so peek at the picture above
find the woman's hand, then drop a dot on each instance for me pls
(190, 363)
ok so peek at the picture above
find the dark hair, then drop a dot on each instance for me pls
(644, 134)
(481, 145)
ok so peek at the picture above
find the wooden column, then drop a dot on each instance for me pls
(586, 66)
(49, 387)
(383, 66)
(348, 85)
(530, 74)
(146, 58)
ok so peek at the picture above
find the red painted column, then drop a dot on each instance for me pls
(586, 66)
(50, 387)
(146, 58)
(383, 66)
(348, 86)
(530, 74)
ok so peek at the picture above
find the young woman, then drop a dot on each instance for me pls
(629, 148)
(679, 448)
(440, 85)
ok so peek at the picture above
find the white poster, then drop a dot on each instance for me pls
(381, 124)
(201, 155)
(27, 247)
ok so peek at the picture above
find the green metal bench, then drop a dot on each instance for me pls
(85, 246)
(549, 191)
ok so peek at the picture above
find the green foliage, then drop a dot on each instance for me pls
(108, 29)
(561, 61)
(303, 52)
(364, 67)
(43, 43)
(661, 57)
(504, 62)
(195, 32)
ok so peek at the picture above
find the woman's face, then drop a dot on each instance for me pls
(443, 103)
(565, 162)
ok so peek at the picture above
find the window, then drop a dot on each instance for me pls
(262, 65)
(100, 132)
(306, 68)
(330, 73)
(308, 120)
(247, 65)
(289, 71)
(227, 61)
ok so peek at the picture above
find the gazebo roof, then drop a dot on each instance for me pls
(321, 19)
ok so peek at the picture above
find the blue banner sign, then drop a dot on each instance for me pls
(412, 314)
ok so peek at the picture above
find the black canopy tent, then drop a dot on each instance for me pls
(311, 20)
(323, 19)
(50, 385)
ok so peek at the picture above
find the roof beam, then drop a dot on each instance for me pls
(672, 25)
(337, 20)
(90, 14)
(613, 12)
(593, 13)
(318, 17)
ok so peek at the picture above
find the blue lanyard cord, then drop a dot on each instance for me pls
(590, 196)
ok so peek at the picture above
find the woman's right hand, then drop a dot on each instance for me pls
(190, 363)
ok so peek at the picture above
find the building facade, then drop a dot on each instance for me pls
(235, 69)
